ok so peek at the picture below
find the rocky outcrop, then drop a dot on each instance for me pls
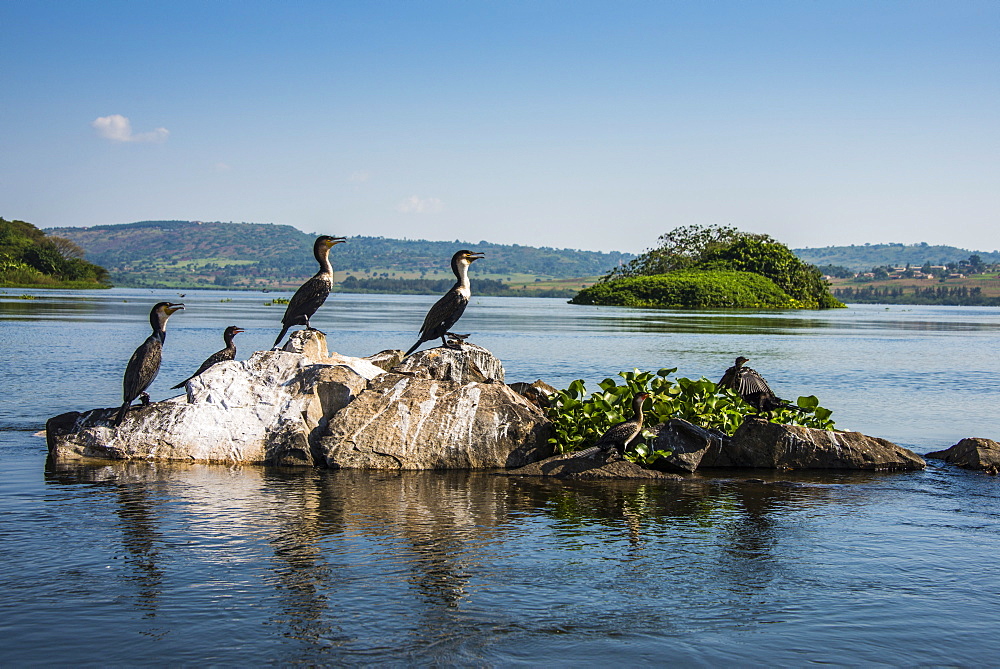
(761, 444)
(410, 422)
(972, 453)
(292, 407)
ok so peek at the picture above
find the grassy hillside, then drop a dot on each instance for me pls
(187, 254)
(863, 258)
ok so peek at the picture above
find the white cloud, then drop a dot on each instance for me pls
(418, 205)
(118, 128)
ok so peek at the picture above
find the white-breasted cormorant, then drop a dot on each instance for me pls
(752, 387)
(228, 353)
(446, 311)
(621, 434)
(313, 293)
(144, 364)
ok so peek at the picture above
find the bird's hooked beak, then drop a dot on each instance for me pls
(171, 308)
(333, 241)
(237, 331)
(474, 256)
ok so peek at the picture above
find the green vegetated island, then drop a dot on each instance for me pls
(29, 258)
(713, 267)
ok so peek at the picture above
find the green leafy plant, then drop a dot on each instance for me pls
(580, 419)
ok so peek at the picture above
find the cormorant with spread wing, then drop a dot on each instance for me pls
(313, 293)
(752, 387)
(144, 364)
(446, 311)
(621, 434)
(228, 353)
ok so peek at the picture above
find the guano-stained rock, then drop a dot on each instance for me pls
(407, 422)
(471, 364)
(277, 406)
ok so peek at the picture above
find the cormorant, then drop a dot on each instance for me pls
(752, 387)
(228, 353)
(446, 311)
(313, 293)
(145, 362)
(621, 434)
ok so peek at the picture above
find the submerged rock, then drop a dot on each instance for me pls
(277, 407)
(972, 453)
(759, 443)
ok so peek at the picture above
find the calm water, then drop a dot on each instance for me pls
(153, 564)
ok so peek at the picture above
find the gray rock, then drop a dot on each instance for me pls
(972, 453)
(759, 443)
(589, 464)
(412, 422)
(686, 442)
(471, 364)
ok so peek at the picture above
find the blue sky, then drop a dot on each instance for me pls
(595, 125)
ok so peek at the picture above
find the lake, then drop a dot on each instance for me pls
(136, 564)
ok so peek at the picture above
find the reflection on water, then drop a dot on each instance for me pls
(255, 565)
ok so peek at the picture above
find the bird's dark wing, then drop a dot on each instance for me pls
(443, 315)
(752, 383)
(307, 299)
(142, 368)
(728, 379)
(618, 434)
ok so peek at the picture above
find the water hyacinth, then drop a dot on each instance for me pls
(580, 420)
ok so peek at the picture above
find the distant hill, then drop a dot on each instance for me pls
(878, 255)
(254, 255)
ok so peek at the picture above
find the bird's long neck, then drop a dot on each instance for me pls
(323, 258)
(228, 338)
(159, 325)
(638, 413)
(461, 271)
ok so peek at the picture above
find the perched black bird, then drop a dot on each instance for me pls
(621, 434)
(446, 311)
(228, 353)
(752, 387)
(144, 364)
(313, 293)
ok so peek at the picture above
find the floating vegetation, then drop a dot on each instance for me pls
(277, 300)
(29, 297)
(226, 299)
